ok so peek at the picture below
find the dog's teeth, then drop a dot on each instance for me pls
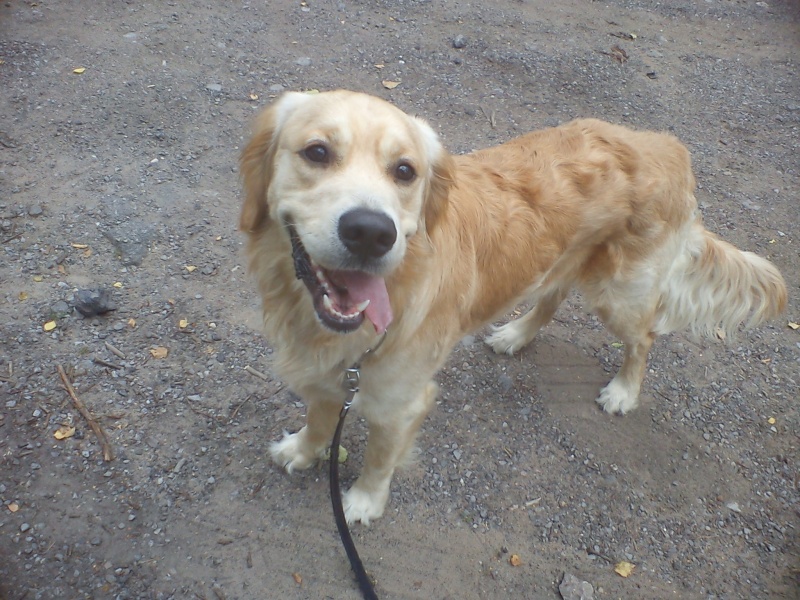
(326, 302)
(363, 306)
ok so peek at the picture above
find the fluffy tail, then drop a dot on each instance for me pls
(714, 287)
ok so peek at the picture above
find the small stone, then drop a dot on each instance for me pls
(24, 527)
(277, 88)
(734, 506)
(91, 303)
(572, 588)
(35, 210)
(459, 41)
(303, 61)
(214, 87)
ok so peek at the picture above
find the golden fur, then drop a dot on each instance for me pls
(589, 205)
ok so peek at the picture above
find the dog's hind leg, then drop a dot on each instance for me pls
(635, 330)
(388, 445)
(514, 335)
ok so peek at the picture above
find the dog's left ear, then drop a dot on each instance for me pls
(440, 177)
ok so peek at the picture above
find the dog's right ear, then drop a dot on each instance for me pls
(256, 160)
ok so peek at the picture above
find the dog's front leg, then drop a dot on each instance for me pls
(388, 446)
(300, 450)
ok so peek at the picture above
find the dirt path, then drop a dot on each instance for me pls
(123, 176)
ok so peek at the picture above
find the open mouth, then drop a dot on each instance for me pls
(342, 299)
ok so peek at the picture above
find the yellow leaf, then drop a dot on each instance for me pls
(13, 507)
(514, 560)
(117, 284)
(342, 455)
(64, 432)
(794, 325)
(772, 420)
(79, 70)
(190, 268)
(218, 238)
(624, 568)
(312, 91)
(79, 246)
(253, 96)
(159, 352)
(38, 278)
(771, 242)
(183, 323)
(390, 85)
(379, 66)
(49, 326)
(23, 296)
(131, 323)
(298, 579)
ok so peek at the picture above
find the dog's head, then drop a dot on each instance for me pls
(349, 179)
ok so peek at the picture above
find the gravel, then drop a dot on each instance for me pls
(123, 178)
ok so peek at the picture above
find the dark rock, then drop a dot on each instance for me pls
(93, 302)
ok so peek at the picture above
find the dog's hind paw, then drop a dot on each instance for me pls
(617, 398)
(506, 339)
(291, 453)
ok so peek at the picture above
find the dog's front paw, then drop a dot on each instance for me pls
(360, 505)
(506, 339)
(292, 453)
(617, 398)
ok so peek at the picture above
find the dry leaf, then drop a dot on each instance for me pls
(23, 296)
(190, 268)
(771, 420)
(79, 246)
(794, 325)
(624, 568)
(62, 269)
(13, 507)
(49, 326)
(79, 70)
(720, 333)
(117, 284)
(514, 560)
(183, 323)
(131, 323)
(298, 579)
(218, 238)
(379, 66)
(159, 352)
(390, 85)
(87, 253)
(64, 432)
(253, 96)
(38, 278)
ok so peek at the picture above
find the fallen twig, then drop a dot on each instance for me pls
(115, 351)
(108, 454)
(236, 410)
(105, 363)
(253, 371)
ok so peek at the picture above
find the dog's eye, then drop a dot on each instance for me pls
(317, 153)
(404, 172)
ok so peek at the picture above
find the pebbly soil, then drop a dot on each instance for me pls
(124, 177)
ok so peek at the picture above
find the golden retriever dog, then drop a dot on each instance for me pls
(359, 222)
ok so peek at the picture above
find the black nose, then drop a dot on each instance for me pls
(367, 233)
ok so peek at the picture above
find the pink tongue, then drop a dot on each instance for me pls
(363, 286)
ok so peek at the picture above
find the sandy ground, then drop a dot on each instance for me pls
(124, 177)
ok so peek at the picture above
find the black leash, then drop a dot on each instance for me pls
(351, 379)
